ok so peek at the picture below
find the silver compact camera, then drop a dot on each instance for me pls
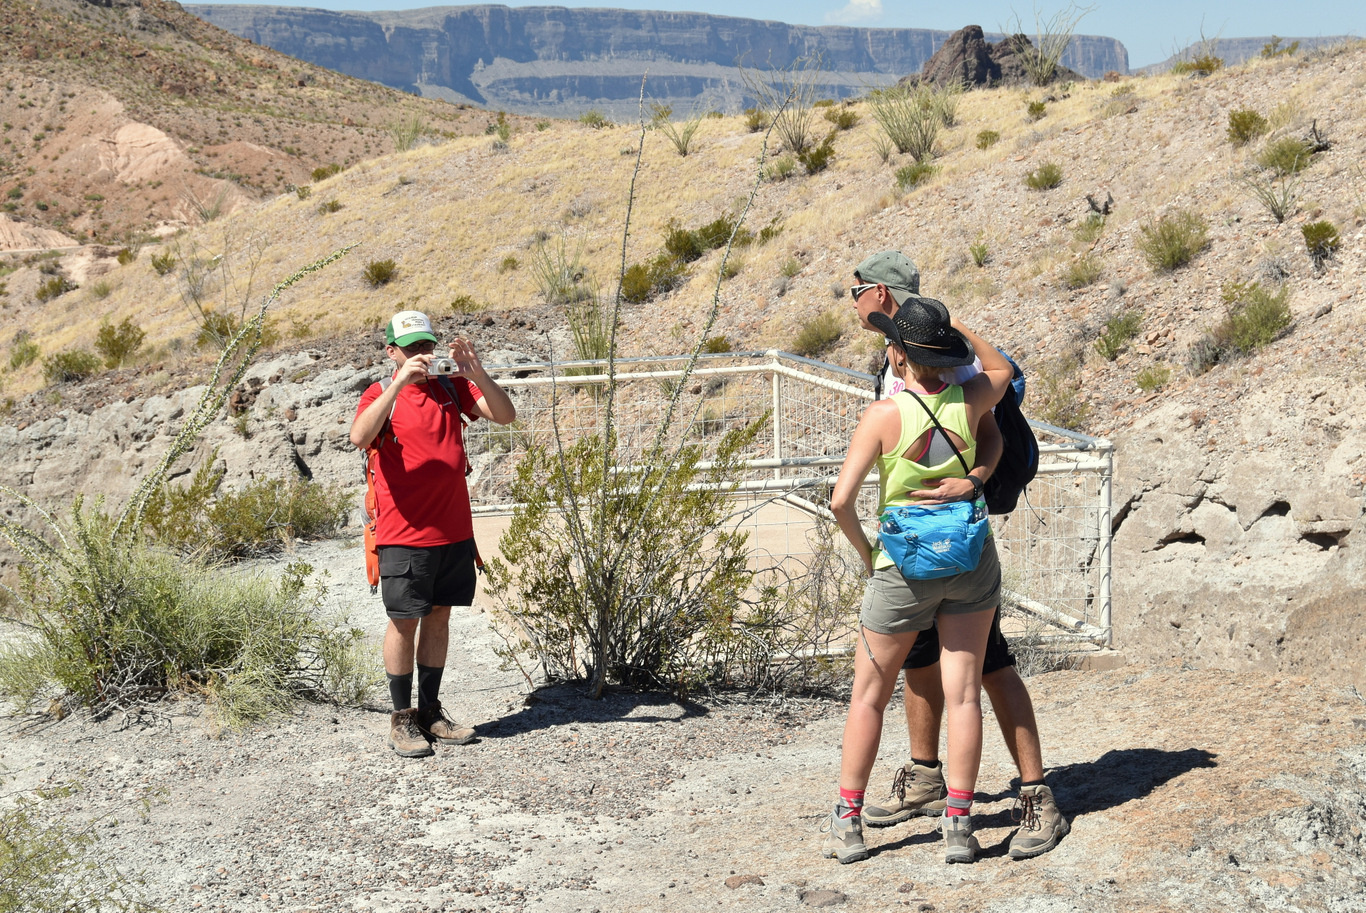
(441, 366)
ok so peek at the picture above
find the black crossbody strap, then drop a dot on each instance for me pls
(933, 418)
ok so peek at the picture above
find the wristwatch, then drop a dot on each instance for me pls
(976, 486)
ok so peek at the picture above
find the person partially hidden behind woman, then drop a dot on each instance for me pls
(910, 450)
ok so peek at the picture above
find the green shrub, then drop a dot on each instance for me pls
(842, 118)
(1118, 332)
(324, 172)
(819, 334)
(163, 262)
(1245, 125)
(101, 289)
(25, 351)
(379, 272)
(1173, 240)
(979, 252)
(1045, 177)
(638, 590)
(1278, 193)
(465, 304)
(716, 345)
(593, 118)
(817, 158)
(329, 206)
(781, 168)
(508, 264)
(1321, 240)
(49, 863)
(1035, 110)
(643, 281)
(1089, 229)
(126, 256)
(1286, 155)
(1273, 48)
(263, 518)
(1082, 271)
(118, 343)
(1153, 377)
(121, 623)
(987, 138)
(54, 288)
(687, 245)
(914, 174)
(773, 229)
(70, 367)
(1060, 401)
(303, 192)
(1256, 317)
(790, 267)
(756, 120)
(559, 273)
(215, 329)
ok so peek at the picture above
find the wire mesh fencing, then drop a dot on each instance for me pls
(1054, 548)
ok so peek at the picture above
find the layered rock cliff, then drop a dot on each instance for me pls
(552, 60)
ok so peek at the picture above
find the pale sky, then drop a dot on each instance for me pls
(1152, 30)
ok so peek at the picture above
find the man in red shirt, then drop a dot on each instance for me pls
(425, 532)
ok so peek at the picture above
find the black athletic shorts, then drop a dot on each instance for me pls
(925, 651)
(412, 580)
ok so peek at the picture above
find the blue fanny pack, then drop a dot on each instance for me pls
(930, 542)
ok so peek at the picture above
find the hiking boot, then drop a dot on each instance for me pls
(405, 737)
(435, 724)
(916, 790)
(1041, 824)
(959, 843)
(843, 838)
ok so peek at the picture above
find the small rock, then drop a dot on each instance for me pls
(736, 881)
(823, 898)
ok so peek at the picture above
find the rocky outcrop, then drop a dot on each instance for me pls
(967, 59)
(1244, 556)
(563, 61)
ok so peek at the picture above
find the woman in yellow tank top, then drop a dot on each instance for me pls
(912, 454)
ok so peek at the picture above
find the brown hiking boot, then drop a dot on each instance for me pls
(917, 790)
(1041, 824)
(434, 722)
(405, 737)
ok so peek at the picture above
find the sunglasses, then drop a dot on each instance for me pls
(856, 290)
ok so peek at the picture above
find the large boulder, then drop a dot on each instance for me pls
(967, 59)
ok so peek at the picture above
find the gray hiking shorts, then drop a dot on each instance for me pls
(894, 605)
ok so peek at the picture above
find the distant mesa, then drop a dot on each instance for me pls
(563, 62)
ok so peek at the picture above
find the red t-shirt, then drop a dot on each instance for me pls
(420, 478)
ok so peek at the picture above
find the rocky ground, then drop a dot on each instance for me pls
(1187, 790)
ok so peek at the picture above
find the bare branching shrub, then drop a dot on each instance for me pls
(1173, 240)
(1279, 193)
(908, 117)
(216, 288)
(1052, 35)
(679, 134)
(558, 270)
(406, 131)
(787, 97)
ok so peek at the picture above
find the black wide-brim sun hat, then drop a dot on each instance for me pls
(921, 329)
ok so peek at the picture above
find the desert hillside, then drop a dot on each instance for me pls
(1238, 498)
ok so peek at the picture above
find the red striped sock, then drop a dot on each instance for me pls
(851, 802)
(959, 803)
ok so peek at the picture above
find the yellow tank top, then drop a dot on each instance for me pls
(899, 475)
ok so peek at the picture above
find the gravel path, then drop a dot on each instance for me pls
(639, 802)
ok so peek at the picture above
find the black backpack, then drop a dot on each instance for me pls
(1020, 453)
